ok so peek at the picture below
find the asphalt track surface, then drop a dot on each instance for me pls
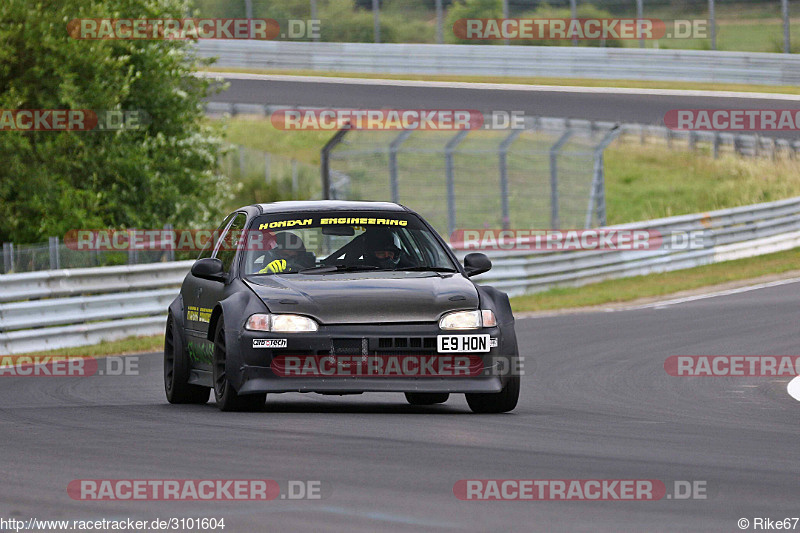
(596, 404)
(646, 107)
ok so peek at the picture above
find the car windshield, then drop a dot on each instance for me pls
(325, 242)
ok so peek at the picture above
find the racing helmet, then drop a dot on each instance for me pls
(380, 249)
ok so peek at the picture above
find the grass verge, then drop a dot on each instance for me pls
(658, 285)
(575, 82)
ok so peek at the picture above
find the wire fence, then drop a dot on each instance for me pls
(546, 175)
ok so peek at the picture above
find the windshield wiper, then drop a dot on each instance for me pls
(322, 269)
(426, 269)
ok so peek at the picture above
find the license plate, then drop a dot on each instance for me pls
(463, 343)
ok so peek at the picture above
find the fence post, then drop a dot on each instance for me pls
(294, 176)
(439, 23)
(376, 19)
(503, 160)
(171, 250)
(451, 185)
(8, 257)
(640, 16)
(324, 163)
(573, 13)
(716, 144)
(55, 260)
(266, 167)
(394, 146)
(554, 216)
(787, 49)
(132, 256)
(597, 198)
(314, 17)
(712, 22)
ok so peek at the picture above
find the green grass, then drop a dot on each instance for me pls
(130, 345)
(576, 82)
(646, 182)
(656, 285)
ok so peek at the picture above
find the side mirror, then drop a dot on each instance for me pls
(476, 263)
(209, 268)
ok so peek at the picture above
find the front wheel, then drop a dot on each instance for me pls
(227, 398)
(426, 398)
(176, 370)
(496, 402)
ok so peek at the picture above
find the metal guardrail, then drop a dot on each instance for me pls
(64, 308)
(730, 234)
(491, 60)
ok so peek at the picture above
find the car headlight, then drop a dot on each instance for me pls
(281, 323)
(468, 320)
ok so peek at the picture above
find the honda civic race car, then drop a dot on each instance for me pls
(338, 297)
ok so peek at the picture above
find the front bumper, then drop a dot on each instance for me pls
(391, 340)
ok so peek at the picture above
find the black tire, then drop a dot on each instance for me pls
(426, 398)
(496, 402)
(227, 397)
(176, 370)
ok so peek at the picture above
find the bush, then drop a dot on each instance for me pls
(53, 181)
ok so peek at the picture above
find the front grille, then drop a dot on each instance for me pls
(346, 346)
(388, 345)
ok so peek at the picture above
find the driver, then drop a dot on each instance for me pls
(380, 249)
(289, 254)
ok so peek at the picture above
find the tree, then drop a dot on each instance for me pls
(54, 181)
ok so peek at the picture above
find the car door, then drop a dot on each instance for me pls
(197, 314)
(212, 292)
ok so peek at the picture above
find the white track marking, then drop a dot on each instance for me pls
(665, 303)
(793, 388)
(499, 86)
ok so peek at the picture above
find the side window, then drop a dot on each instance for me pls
(212, 242)
(226, 252)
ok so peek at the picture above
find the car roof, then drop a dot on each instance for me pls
(328, 205)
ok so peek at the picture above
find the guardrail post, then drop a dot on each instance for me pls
(503, 162)
(451, 184)
(8, 257)
(716, 145)
(597, 198)
(554, 220)
(394, 146)
(324, 163)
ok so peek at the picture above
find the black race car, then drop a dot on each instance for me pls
(338, 297)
